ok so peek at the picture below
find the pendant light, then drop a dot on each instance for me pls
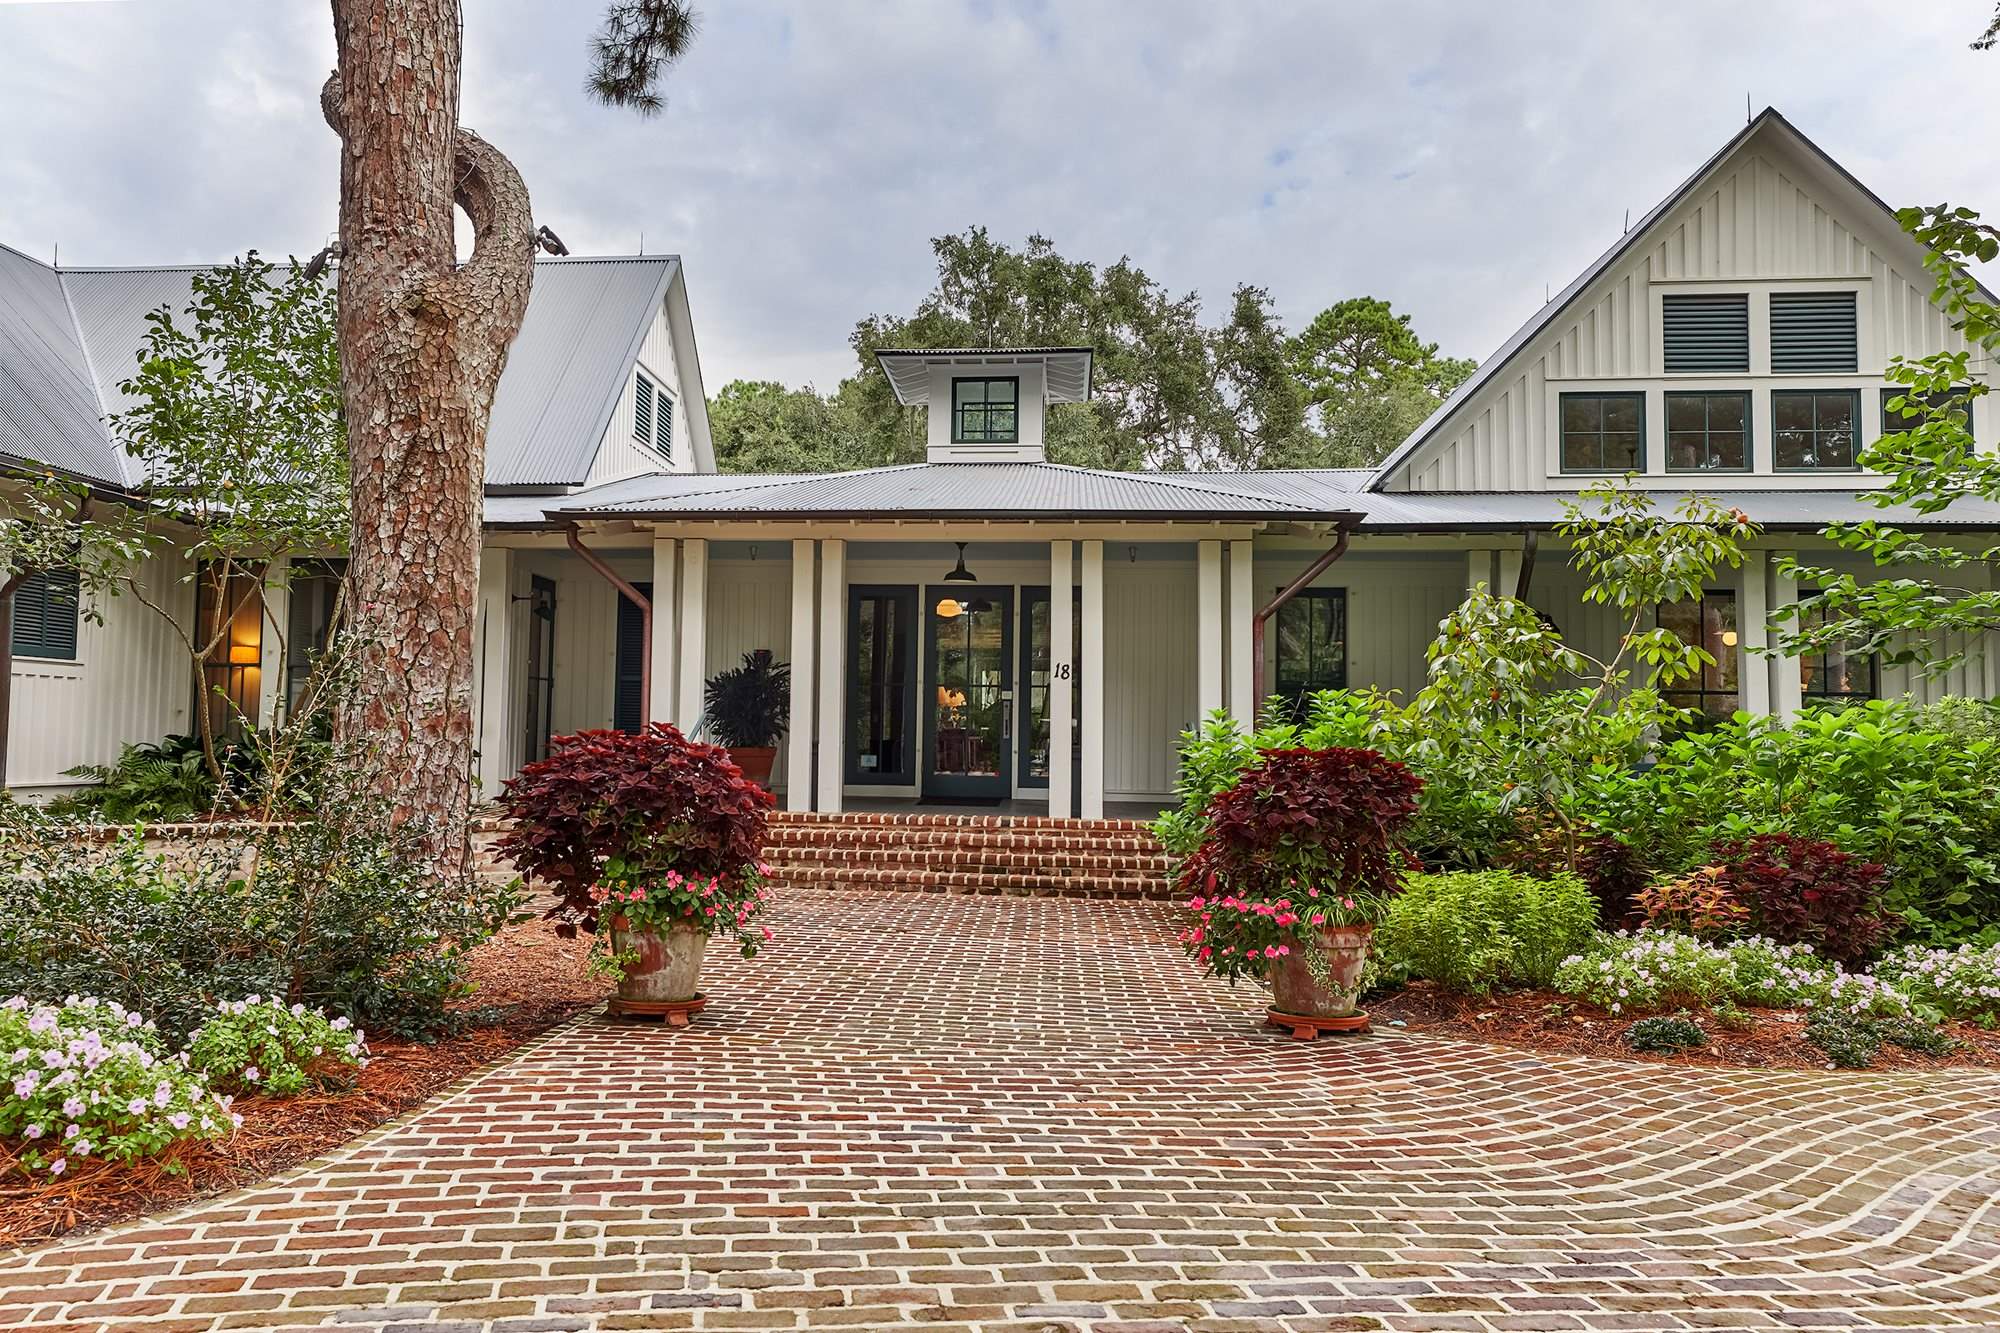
(949, 608)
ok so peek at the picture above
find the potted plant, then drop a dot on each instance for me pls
(749, 707)
(1297, 863)
(651, 841)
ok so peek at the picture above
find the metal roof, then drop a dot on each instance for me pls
(69, 336)
(1066, 370)
(1542, 318)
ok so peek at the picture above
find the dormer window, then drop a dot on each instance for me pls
(986, 411)
(652, 416)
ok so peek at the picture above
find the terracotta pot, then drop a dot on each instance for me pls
(668, 970)
(1295, 991)
(755, 761)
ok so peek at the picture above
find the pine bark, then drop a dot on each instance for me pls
(422, 344)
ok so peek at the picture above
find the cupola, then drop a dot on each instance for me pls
(987, 405)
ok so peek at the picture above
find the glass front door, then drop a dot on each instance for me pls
(1035, 683)
(968, 700)
(881, 686)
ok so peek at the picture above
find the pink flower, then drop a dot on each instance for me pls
(1317, 918)
(1270, 951)
(1347, 903)
(767, 934)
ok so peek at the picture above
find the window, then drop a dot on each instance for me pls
(1913, 415)
(1706, 333)
(1312, 643)
(1813, 430)
(986, 411)
(45, 608)
(1813, 333)
(229, 628)
(653, 416)
(1708, 432)
(315, 591)
(628, 664)
(1709, 623)
(1603, 432)
(1836, 675)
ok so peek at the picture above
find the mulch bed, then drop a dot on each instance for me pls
(1553, 1024)
(529, 980)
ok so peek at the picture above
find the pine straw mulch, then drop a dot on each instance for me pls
(529, 979)
(1555, 1025)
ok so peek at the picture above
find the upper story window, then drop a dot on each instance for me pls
(653, 416)
(986, 411)
(1708, 432)
(1706, 332)
(1814, 333)
(1603, 432)
(1911, 416)
(45, 611)
(1813, 430)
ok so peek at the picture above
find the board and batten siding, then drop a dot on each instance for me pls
(619, 454)
(131, 681)
(1770, 216)
(1395, 600)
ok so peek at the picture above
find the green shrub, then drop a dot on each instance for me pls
(1959, 983)
(1848, 1040)
(260, 1045)
(1665, 1034)
(1914, 1034)
(1473, 930)
(159, 782)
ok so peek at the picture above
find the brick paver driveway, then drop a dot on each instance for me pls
(1032, 1114)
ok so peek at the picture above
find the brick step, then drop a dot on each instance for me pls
(1037, 840)
(819, 858)
(1077, 827)
(1023, 883)
(1138, 855)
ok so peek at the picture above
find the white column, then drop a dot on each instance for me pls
(1062, 673)
(832, 672)
(1507, 572)
(1479, 568)
(1787, 685)
(694, 630)
(663, 706)
(1209, 631)
(1090, 798)
(1243, 689)
(1989, 642)
(799, 740)
(1753, 669)
(272, 646)
(494, 677)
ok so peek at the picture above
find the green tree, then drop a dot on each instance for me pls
(1368, 380)
(762, 426)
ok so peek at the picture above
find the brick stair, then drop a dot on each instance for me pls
(993, 854)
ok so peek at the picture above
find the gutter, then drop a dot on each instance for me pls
(638, 599)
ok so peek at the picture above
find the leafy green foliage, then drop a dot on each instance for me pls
(1849, 1041)
(1368, 380)
(262, 1046)
(1702, 902)
(1959, 983)
(1665, 1034)
(162, 782)
(750, 704)
(1473, 930)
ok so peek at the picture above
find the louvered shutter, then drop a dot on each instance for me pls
(1706, 333)
(628, 693)
(1813, 333)
(642, 411)
(664, 439)
(45, 606)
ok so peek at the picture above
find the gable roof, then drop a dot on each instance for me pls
(1634, 236)
(68, 336)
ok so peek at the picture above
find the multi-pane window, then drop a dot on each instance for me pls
(1708, 432)
(1814, 429)
(1706, 333)
(45, 610)
(1913, 413)
(1603, 432)
(1709, 623)
(652, 416)
(1813, 333)
(985, 411)
(1312, 644)
(1836, 675)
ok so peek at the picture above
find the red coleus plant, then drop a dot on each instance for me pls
(1304, 840)
(652, 800)
(1806, 891)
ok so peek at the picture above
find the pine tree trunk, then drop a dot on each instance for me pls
(422, 344)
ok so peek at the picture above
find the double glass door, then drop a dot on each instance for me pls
(968, 699)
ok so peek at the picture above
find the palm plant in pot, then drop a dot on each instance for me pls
(749, 707)
(1297, 863)
(651, 841)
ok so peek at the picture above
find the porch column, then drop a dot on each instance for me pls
(1208, 631)
(1090, 798)
(272, 645)
(832, 672)
(1062, 671)
(799, 739)
(494, 762)
(1243, 690)
(1507, 572)
(1753, 612)
(663, 706)
(694, 630)
(1788, 691)
(1479, 568)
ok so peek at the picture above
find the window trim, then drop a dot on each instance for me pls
(1855, 419)
(1563, 397)
(1959, 394)
(1667, 432)
(1701, 691)
(1809, 695)
(1336, 596)
(957, 423)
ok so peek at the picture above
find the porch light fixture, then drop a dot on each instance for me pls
(243, 654)
(949, 607)
(1729, 638)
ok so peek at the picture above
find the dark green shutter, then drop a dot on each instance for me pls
(642, 410)
(45, 607)
(1813, 333)
(663, 437)
(1702, 333)
(628, 695)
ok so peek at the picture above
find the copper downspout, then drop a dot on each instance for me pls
(1291, 590)
(638, 599)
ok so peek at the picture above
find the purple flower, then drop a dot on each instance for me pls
(25, 1085)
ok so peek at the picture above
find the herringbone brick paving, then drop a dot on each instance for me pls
(983, 1113)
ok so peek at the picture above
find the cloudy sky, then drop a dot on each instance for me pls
(1454, 158)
